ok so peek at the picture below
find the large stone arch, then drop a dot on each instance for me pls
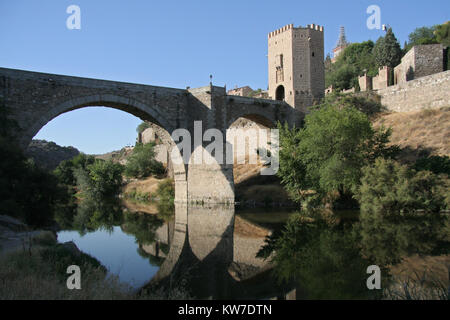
(129, 105)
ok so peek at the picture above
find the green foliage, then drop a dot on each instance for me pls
(142, 127)
(323, 260)
(26, 191)
(326, 156)
(386, 239)
(387, 51)
(92, 215)
(59, 257)
(65, 170)
(142, 226)
(142, 162)
(443, 34)
(423, 35)
(342, 77)
(166, 191)
(166, 195)
(388, 187)
(390, 225)
(134, 195)
(356, 60)
(105, 179)
(435, 164)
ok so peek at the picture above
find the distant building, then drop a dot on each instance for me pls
(243, 91)
(340, 45)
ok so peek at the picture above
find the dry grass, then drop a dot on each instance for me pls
(410, 267)
(415, 131)
(134, 206)
(147, 185)
(29, 277)
(420, 278)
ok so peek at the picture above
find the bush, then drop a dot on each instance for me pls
(65, 170)
(142, 162)
(142, 127)
(323, 260)
(26, 191)
(388, 187)
(326, 156)
(435, 164)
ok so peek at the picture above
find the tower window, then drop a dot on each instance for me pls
(313, 54)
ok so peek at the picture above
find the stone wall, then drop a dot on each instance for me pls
(420, 61)
(365, 83)
(430, 92)
(381, 81)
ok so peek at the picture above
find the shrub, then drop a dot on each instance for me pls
(435, 164)
(142, 127)
(388, 187)
(142, 162)
(326, 156)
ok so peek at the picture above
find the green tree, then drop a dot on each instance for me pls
(26, 191)
(388, 187)
(324, 260)
(100, 180)
(387, 50)
(142, 162)
(326, 156)
(356, 60)
(390, 225)
(443, 34)
(423, 35)
(65, 170)
(142, 127)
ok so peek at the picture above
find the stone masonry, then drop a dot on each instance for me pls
(35, 98)
(420, 61)
(428, 92)
(296, 65)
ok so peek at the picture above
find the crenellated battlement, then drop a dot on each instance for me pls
(291, 26)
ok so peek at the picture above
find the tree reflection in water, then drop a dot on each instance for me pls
(328, 259)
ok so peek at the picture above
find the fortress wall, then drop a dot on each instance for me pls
(430, 92)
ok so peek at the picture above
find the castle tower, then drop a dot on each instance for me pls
(340, 45)
(296, 65)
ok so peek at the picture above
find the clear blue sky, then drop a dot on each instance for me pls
(174, 44)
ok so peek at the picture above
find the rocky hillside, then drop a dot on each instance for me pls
(48, 155)
(119, 156)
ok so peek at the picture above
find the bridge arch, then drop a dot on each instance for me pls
(129, 105)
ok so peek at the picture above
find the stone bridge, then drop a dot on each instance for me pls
(35, 98)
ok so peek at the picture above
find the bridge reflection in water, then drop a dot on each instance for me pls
(211, 259)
